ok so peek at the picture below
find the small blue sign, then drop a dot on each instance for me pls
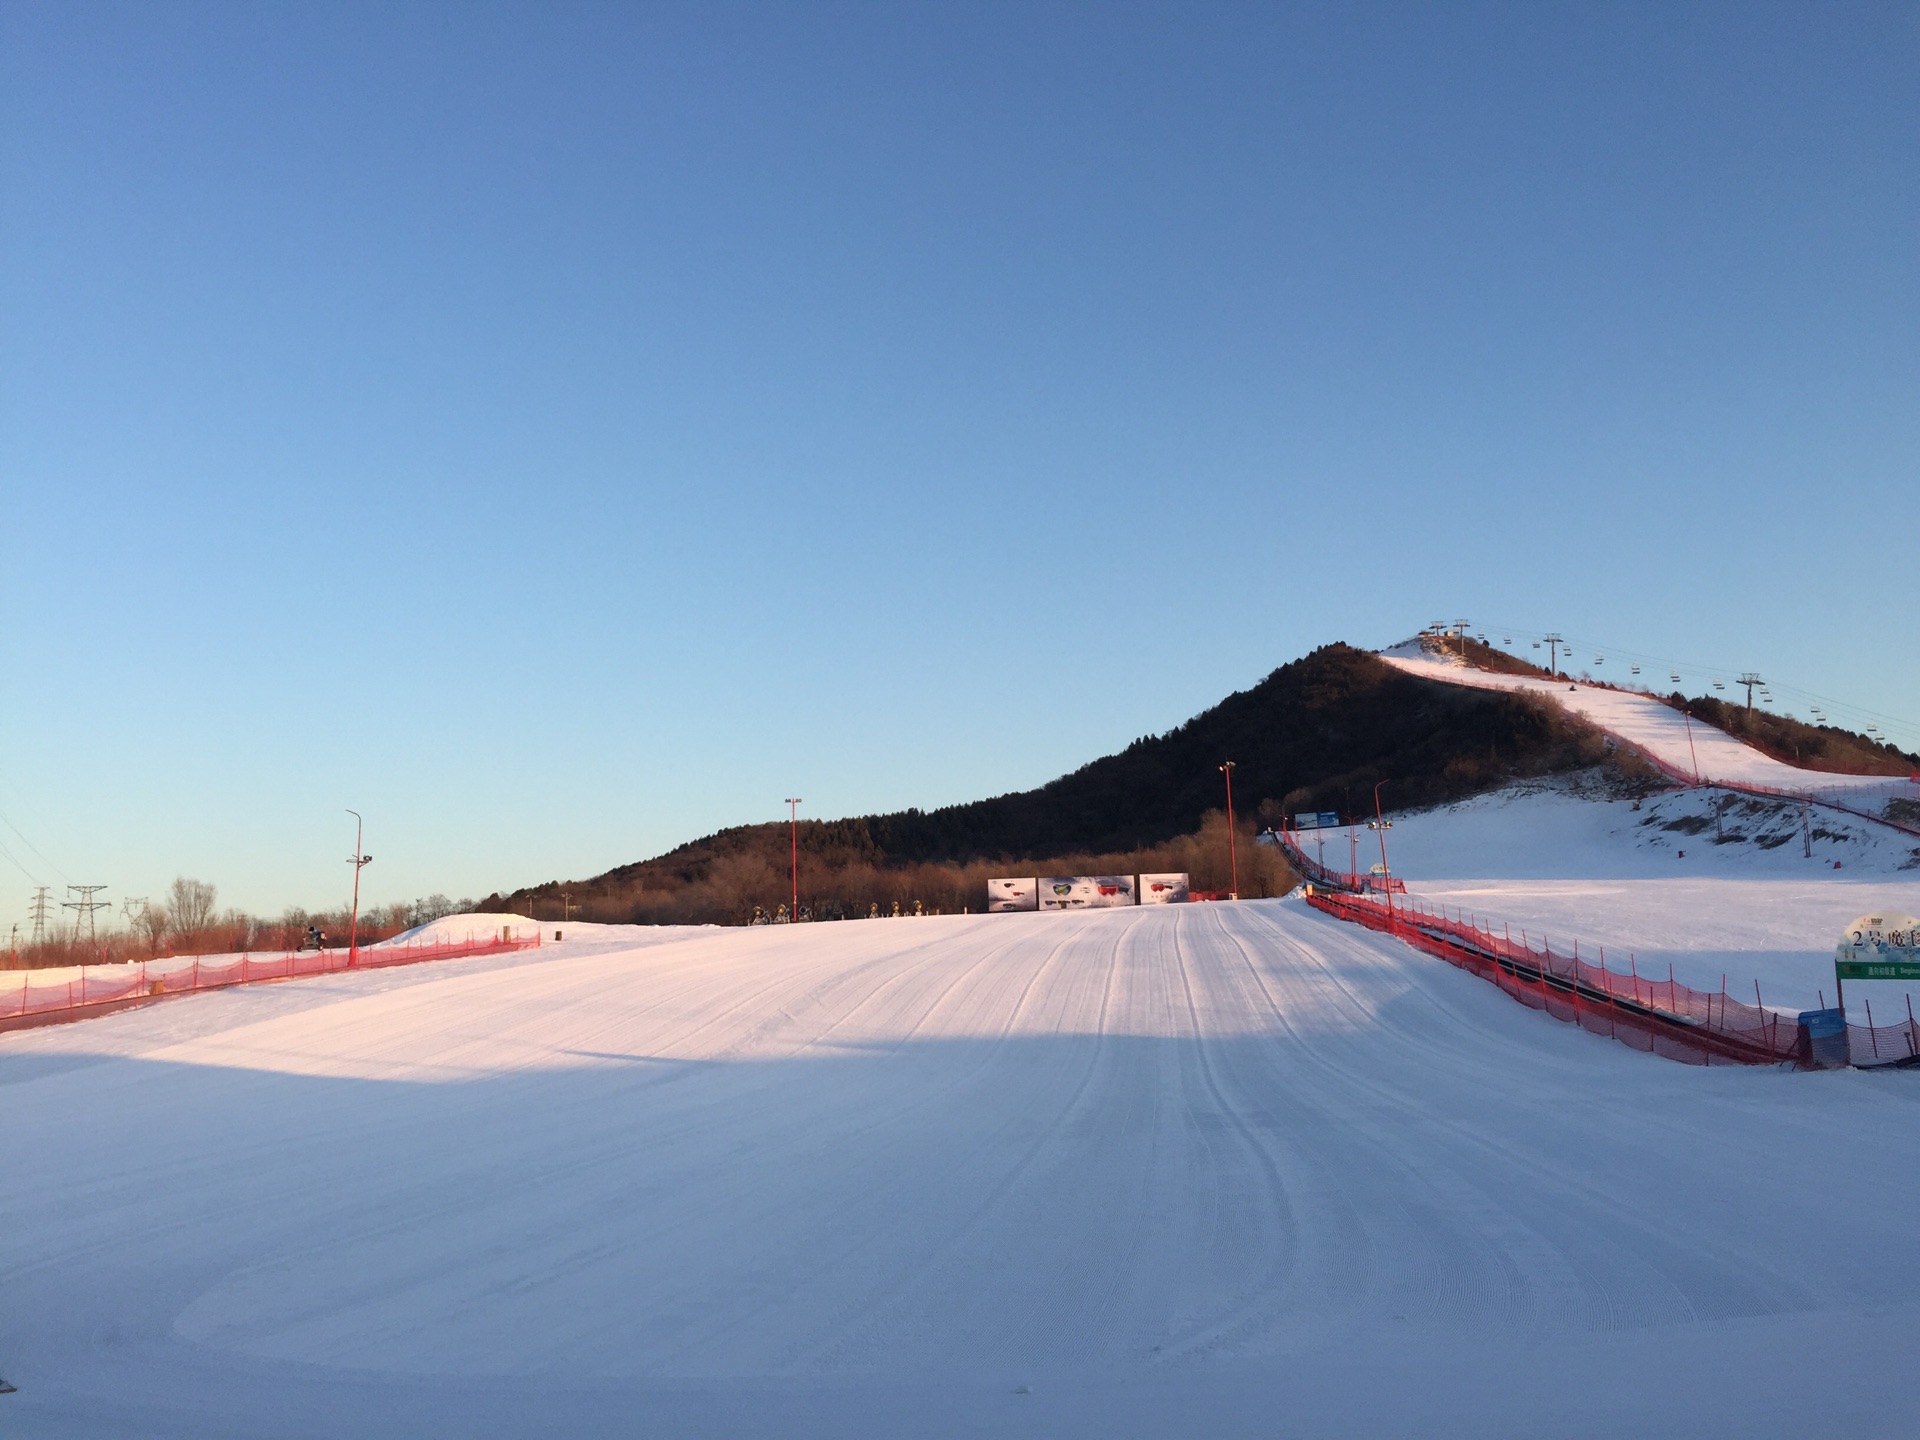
(1826, 1038)
(1821, 1023)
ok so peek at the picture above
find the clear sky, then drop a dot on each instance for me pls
(558, 431)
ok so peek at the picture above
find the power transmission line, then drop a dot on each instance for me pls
(7, 821)
(14, 860)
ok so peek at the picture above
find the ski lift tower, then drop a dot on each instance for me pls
(1461, 626)
(1749, 679)
(1554, 642)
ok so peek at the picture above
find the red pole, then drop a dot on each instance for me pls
(793, 823)
(1233, 853)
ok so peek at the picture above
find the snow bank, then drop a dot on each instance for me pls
(467, 928)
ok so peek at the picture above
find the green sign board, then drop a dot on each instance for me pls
(1877, 969)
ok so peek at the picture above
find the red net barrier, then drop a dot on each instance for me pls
(1658, 1015)
(1663, 1016)
(49, 996)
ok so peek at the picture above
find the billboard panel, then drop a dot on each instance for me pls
(1085, 892)
(1316, 820)
(1005, 895)
(1169, 889)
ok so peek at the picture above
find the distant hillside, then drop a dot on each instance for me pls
(1813, 747)
(1316, 734)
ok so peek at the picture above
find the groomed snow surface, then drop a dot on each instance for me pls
(1751, 900)
(1211, 1170)
(1691, 749)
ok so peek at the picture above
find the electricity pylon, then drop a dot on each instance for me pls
(83, 909)
(37, 912)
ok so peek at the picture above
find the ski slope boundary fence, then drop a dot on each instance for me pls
(98, 989)
(1659, 1016)
(1855, 805)
(1626, 1006)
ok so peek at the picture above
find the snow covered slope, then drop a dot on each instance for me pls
(1661, 731)
(1710, 882)
(1224, 1170)
(1662, 882)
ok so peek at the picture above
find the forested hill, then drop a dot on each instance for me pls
(1314, 735)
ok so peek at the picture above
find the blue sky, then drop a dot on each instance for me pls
(558, 431)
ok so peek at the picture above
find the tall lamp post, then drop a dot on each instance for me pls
(793, 826)
(1380, 824)
(1233, 851)
(359, 863)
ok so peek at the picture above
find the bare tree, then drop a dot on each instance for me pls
(148, 922)
(190, 905)
(429, 908)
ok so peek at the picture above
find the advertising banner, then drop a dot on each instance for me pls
(1169, 889)
(1085, 892)
(1316, 820)
(1879, 947)
(1006, 895)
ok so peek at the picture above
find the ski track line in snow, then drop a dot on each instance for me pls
(1469, 1139)
(906, 1106)
(941, 1257)
(1356, 1123)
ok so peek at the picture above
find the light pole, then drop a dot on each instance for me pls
(793, 823)
(359, 863)
(1233, 850)
(1380, 824)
